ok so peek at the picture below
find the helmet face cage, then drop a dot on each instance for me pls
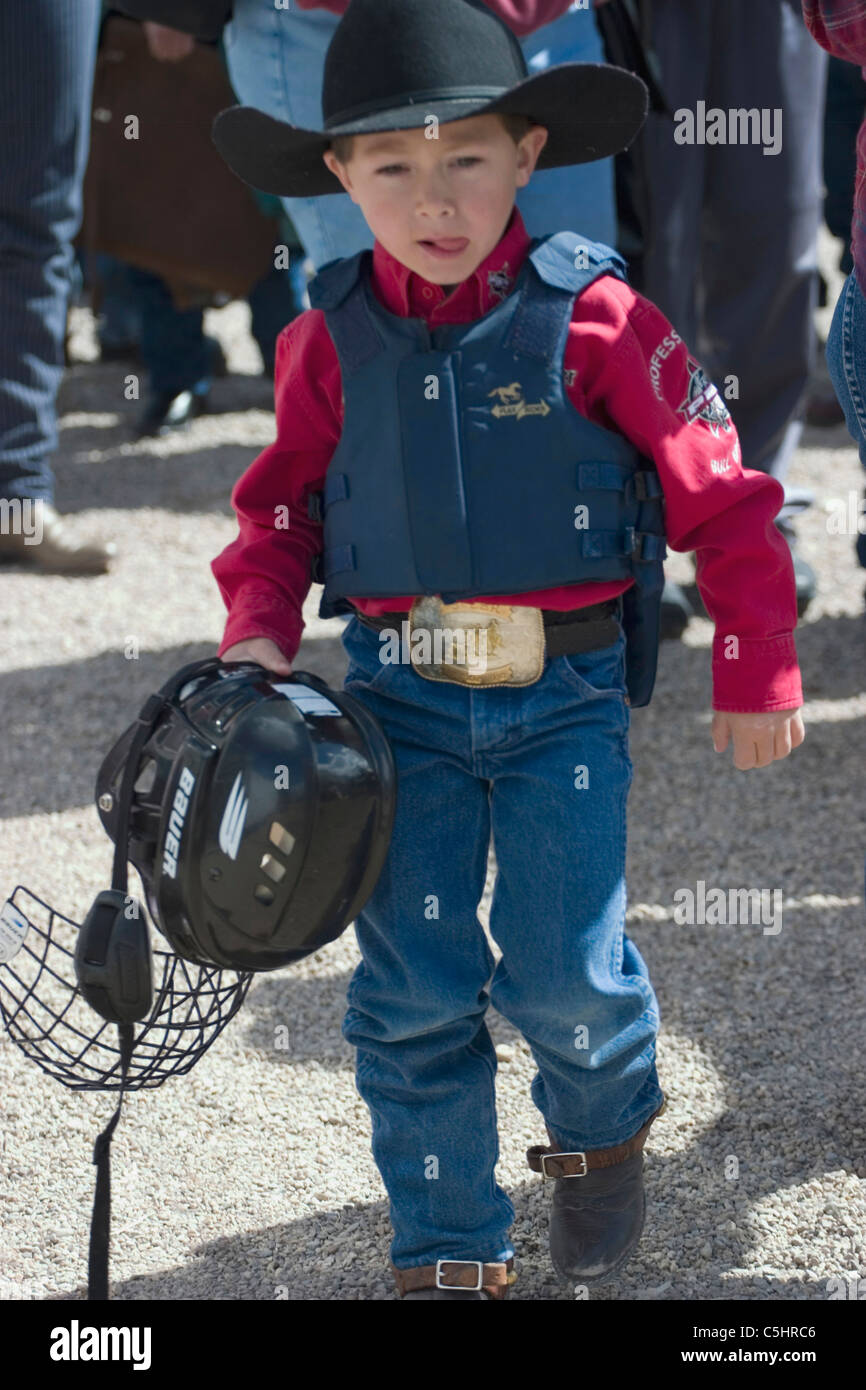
(47, 1017)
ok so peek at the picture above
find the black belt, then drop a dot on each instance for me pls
(576, 630)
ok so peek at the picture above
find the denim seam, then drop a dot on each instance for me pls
(847, 352)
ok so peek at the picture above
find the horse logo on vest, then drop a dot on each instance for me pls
(511, 402)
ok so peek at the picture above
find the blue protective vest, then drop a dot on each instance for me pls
(463, 470)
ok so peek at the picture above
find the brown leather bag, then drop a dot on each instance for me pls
(157, 194)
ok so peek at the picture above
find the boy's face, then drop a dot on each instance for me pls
(439, 205)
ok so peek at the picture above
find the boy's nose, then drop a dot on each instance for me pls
(434, 194)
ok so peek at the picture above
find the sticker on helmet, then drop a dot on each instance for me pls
(234, 818)
(308, 701)
(13, 929)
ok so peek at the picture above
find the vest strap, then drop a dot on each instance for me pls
(629, 544)
(336, 489)
(338, 559)
(642, 486)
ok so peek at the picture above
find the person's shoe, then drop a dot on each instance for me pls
(456, 1279)
(599, 1205)
(219, 367)
(445, 1293)
(675, 611)
(822, 407)
(165, 412)
(804, 576)
(57, 552)
(120, 352)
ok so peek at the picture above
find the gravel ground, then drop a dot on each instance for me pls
(252, 1178)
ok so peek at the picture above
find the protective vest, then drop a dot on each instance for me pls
(463, 469)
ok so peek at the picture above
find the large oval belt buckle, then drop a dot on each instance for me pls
(476, 643)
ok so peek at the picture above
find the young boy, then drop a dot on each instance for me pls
(492, 429)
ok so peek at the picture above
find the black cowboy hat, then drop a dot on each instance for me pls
(392, 64)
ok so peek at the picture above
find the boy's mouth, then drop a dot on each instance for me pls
(445, 247)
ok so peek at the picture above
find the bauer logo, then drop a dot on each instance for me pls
(179, 808)
(234, 819)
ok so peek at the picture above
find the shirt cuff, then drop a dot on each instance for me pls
(752, 676)
(264, 619)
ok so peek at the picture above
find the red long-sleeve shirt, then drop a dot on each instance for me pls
(840, 27)
(625, 368)
(521, 16)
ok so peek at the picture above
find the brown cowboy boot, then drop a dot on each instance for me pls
(455, 1279)
(599, 1205)
(56, 552)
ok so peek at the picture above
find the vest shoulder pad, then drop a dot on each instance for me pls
(335, 281)
(572, 262)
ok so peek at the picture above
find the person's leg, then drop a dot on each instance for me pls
(273, 303)
(673, 194)
(416, 1004)
(762, 213)
(579, 198)
(843, 112)
(119, 321)
(570, 979)
(276, 60)
(846, 362)
(47, 55)
(681, 38)
(173, 346)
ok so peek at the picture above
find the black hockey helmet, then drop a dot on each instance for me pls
(261, 813)
(258, 813)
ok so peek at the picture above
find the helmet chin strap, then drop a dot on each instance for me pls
(103, 917)
(100, 1221)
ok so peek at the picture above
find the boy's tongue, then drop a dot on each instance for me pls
(446, 245)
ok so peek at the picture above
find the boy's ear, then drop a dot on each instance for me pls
(528, 150)
(336, 168)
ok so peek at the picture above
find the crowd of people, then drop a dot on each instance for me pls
(721, 235)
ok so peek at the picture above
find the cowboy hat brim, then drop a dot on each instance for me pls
(590, 110)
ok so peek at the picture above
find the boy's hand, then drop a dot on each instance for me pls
(262, 650)
(759, 739)
(168, 45)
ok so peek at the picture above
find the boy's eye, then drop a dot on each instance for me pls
(464, 161)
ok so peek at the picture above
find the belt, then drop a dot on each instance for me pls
(575, 630)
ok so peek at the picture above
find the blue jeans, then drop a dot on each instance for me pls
(276, 62)
(471, 762)
(47, 55)
(846, 361)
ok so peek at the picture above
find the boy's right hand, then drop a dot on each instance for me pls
(262, 650)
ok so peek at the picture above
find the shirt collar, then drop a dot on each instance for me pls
(409, 295)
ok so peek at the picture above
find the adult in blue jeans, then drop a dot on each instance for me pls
(276, 59)
(47, 54)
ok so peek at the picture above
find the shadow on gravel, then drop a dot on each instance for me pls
(61, 720)
(343, 1254)
(290, 1019)
(200, 480)
(106, 467)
